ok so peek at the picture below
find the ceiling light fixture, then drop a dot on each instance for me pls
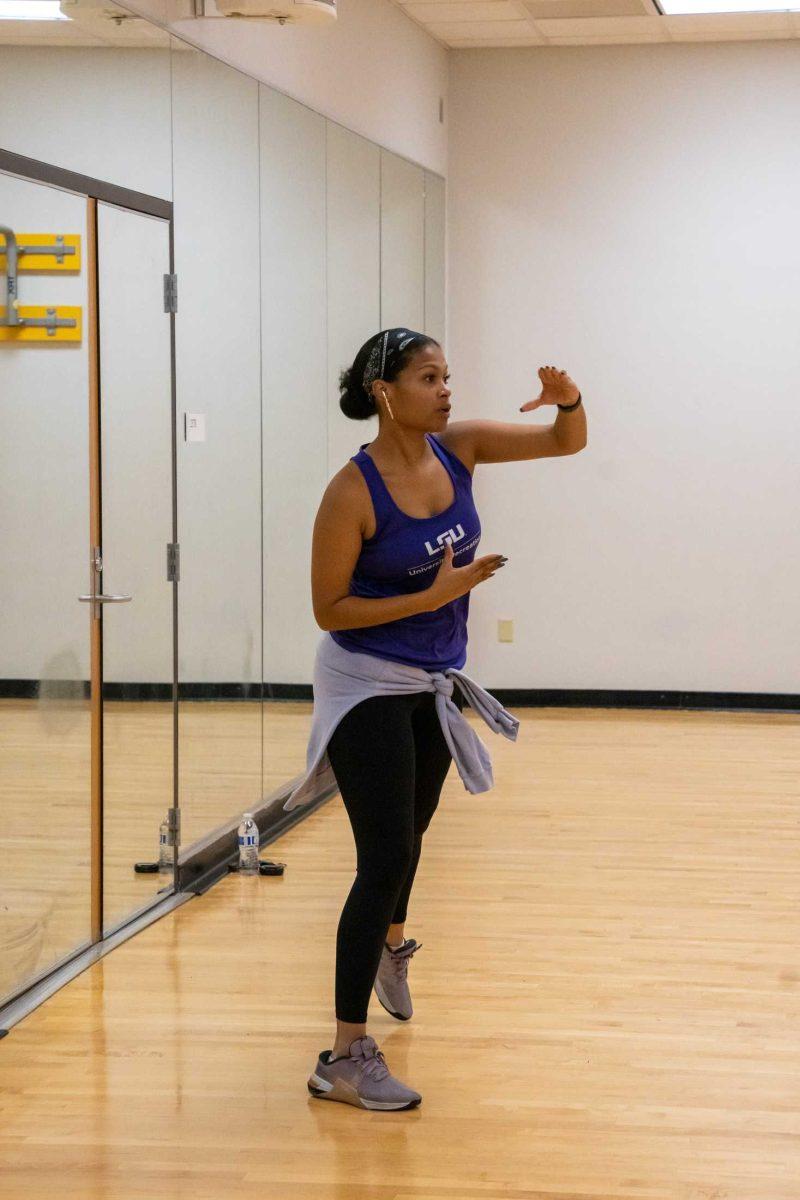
(31, 10)
(680, 8)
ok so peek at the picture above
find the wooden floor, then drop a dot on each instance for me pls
(232, 754)
(607, 1002)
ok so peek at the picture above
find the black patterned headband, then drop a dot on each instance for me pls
(390, 343)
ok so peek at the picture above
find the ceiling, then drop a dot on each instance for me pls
(460, 23)
(454, 23)
(92, 23)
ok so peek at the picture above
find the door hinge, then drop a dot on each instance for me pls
(174, 819)
(173, 562)
(170, 293)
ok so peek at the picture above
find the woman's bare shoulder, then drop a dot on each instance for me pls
(347, 492)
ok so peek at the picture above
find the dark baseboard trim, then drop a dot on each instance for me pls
(598, 698)
(78, 689)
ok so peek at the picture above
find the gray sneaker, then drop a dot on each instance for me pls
(391, 981)
(361, 1078)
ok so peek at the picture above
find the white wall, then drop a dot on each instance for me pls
(135, 451)
(124, 139)
(353, 269)
(372, 70)
(403, 234)
(217, 366)
(294, 367)
(44, 462)
(630, 214)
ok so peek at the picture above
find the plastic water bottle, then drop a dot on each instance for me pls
(166, 852)
(248, 846)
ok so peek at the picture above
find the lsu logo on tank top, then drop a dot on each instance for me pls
(403, 556)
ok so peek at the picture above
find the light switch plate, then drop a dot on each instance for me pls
(194, 427)
(505, 631)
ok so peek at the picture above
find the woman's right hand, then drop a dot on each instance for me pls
(451, 582)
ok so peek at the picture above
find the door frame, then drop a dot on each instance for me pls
(95, 190)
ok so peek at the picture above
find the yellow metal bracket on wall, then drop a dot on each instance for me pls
(50, 327)
(37, 253)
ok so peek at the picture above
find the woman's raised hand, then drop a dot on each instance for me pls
(451, 581)
(557, 388)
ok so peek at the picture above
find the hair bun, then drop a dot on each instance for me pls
(354, 401)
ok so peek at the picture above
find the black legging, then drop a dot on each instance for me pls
(390, 760)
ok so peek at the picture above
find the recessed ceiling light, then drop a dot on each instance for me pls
(31, 10)
(676, 8)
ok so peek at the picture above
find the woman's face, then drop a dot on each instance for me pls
(419, 395)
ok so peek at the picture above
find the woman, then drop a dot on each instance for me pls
(393, 565)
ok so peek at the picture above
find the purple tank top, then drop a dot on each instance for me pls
(402, 556)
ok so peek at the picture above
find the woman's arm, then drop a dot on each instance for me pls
(354, 612)
(335, 549)
(498, 441)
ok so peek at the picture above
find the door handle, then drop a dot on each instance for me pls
(100, 599)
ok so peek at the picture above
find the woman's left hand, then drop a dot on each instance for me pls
(557, 388)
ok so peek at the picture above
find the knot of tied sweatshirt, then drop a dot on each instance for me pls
(342, 678)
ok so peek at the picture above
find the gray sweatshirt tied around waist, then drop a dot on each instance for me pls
(342, 678)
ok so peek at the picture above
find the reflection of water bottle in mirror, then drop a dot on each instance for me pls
(165, 850)
(248, 846)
